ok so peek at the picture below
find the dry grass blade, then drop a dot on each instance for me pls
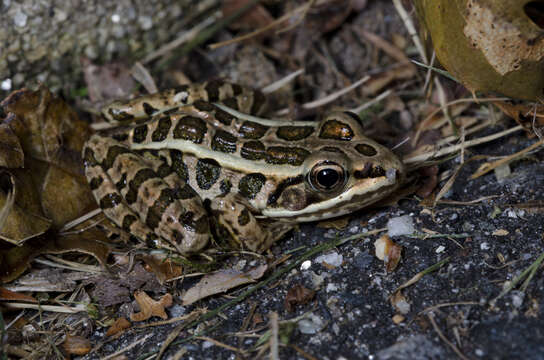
(127, 348)
(220, 344)
(408, 23)
(80, 220)
(171, 337)
(447, 186)
(206, 33)
(368, 104)
(281, 82)
(529, 272)
(185, 37)
(488, 167)
(421, 274)
(329, 98)
(52, 308)
(142, 75)
(387, 47)
(274, 336)
(423, 124)
(58, 262)
(471, 202)
(302, 8)
(454, 148)
(438, 306)
(430, 316)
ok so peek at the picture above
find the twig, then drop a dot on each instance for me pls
(274, 335)
(281, 82)
(529, 272)
(411, 29)
(52, 308)
(331, 97)
(506, 160)
(420, 274)
(127, 348)
(430, 316)
(368, 104)
(454, 148)
(267, 27)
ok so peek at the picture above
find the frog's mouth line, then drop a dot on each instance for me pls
(359, 196)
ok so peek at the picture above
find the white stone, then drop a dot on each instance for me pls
(402, 225)
(333, 259)
(6, 84)
(20, 18)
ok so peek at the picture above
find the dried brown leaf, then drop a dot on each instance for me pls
(17, 223)
(65, 197)
(254, 18)
(388, 251)
(11, 152)
(150, 307)
(6, 295)
(219, 282)
(76, 345)
(14, 261)
(400, 303)
(47, 128)
(118, 326)
(296, 295)
(164, 269)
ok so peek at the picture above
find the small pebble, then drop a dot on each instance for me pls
(305, 265)
(402, 225)
(333, 259)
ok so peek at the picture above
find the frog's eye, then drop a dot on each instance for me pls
(327, 176)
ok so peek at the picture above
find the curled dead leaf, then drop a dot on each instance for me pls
(18, 222)
(221, 281)
(400, 303)
(47, 128)
(164, 269)
(64, 196)
(11, 152)
(118, 326)
(150, 307)
(388, 251)
(76, 345)
(296, 295)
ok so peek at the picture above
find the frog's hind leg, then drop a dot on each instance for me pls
(134, 196)
(142, 108)
(233, 216)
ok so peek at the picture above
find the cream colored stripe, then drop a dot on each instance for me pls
(225, 160)
(369, 186)
(267, 122)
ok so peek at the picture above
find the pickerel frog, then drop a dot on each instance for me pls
(196, 158)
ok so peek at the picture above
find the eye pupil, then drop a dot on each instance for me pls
(327, 178)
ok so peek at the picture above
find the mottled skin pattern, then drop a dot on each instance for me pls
(191, 157)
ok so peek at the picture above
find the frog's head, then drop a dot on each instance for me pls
(347, 172)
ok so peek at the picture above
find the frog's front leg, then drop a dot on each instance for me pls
(233, 215)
